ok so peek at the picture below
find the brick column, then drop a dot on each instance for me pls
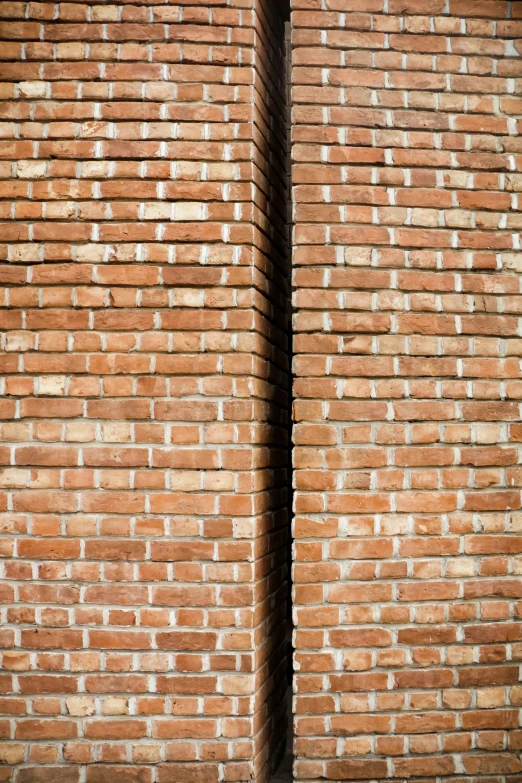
(408, 387)
(144, 479)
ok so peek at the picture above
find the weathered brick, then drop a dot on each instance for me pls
(145, 352)
(400, 235)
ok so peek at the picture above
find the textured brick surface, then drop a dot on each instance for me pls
(143, 489)
(408, 387)
(143, 419)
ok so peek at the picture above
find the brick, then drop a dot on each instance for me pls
(376, 413)
(137, 332)
(144, 487)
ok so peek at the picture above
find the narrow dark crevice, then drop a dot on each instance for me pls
(272, 283)
(283, 772)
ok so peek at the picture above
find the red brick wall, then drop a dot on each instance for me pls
(143, 489)
(144, 411)
(408, 389)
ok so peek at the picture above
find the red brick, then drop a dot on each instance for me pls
(145, 413)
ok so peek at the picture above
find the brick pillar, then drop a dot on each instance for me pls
(408, 388)
(143, 489)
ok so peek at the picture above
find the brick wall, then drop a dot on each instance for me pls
(144, 413)
(144, 484)
(408, 389)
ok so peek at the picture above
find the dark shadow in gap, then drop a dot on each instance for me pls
(283, 773)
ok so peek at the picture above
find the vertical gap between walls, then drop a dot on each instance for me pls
(283, 773)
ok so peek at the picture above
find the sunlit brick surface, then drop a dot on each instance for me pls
(144, 410)
(143, 418)
(408, 388)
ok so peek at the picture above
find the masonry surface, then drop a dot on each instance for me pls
(407, 342)
(144, 421)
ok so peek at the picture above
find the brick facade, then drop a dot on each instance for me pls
(145, 483)
(408, 390)
(144, 419)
